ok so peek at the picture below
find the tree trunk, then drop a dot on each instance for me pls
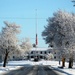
(63, 62)
(59, 62)
(70, 62)
(5, 60)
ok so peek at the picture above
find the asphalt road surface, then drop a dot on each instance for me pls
(34, 70)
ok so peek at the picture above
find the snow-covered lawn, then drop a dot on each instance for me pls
(12, 65)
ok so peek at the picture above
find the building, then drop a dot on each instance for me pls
(41, 53)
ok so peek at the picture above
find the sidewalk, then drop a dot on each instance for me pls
(63, 71)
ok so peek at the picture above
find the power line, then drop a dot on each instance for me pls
(34, 38)
(20, 18)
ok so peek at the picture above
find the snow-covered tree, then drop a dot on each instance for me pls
(25, 46)
(9, 40)
(50, 56)
(60, 32)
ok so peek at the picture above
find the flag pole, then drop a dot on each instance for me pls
(36, 30)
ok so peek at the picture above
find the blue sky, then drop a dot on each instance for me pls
(23, 13)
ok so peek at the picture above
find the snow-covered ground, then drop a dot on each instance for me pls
(12, 65)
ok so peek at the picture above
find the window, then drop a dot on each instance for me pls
(31, 56)
(45, 52)
(55, 53)
(13, 56)
(32, 52)
(49, 52)
(41, 52)
(41, 57)
(54, 57)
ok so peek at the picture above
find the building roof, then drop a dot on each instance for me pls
(40, 49)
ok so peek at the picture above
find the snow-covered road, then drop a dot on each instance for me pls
(26, 65)
(34, 70)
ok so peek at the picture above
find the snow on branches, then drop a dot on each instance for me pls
(60, 29)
